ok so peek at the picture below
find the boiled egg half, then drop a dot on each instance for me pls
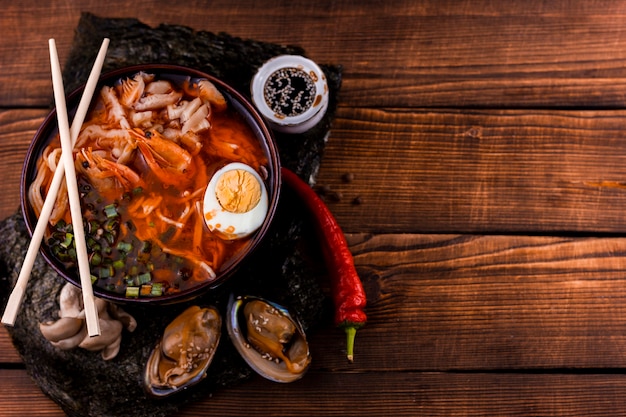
(235, 201)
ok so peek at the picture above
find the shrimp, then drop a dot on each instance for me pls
(105, 175)
(115, 141)
(131, 90)
(167, 160)
(208, 92)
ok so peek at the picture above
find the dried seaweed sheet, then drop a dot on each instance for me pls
(80, 381)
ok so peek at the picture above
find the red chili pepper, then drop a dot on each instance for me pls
(347, 290)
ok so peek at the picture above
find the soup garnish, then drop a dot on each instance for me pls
(144, 157)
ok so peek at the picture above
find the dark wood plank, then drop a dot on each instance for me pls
(441, 171)
(21, 397)
(484, 171)
(18, 128)
(463, 302)
(451, 54)
(490, 302)
(8, 353)
(424, 394)
(356, 394)
(470, 128)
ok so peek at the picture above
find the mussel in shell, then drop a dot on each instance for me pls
(269, 338)
(183, 355)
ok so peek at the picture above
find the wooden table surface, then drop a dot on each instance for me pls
(487, 141)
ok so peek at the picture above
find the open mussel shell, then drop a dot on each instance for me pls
(182, 356)
(268, 338)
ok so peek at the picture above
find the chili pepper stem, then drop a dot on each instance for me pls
(351, 334)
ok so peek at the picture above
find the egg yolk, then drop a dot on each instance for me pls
(238, 191)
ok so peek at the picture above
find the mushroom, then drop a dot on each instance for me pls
(70, 330)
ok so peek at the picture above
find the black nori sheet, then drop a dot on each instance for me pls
(280, 269)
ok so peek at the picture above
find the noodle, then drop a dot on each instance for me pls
(143, 159)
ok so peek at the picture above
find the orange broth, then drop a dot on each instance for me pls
(150, 239)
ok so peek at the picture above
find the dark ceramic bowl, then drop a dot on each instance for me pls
(48, 131)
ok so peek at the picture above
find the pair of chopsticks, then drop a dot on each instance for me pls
(64, 168)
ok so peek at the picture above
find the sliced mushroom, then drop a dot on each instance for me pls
(70, 330)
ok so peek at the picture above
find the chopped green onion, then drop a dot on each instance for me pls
(106, 272)
(119, 264)
(132, 292)
(109, 237)
(93, 279)
(111, 225)
(157, 289)
(56, 249)
(68, 240)
(111, 211)
(124, 246)
(90, 242)
(137, 190)
(96, 259)
(144, 278)
(93, 226)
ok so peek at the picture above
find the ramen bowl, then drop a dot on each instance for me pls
(178, 184)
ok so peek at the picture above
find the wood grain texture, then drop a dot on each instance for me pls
(8, 354)
(17, 128)
(427, 394)
(353, 394)
(473, 302)
(26, 399)
(493, 302)
(440, 171)
(425, 54)
(492, 171)
(486, 146)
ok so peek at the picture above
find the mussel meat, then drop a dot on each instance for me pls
(183, 355)
(269, 338)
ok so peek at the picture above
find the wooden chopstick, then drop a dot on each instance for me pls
(67, 158)
(15, 299)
